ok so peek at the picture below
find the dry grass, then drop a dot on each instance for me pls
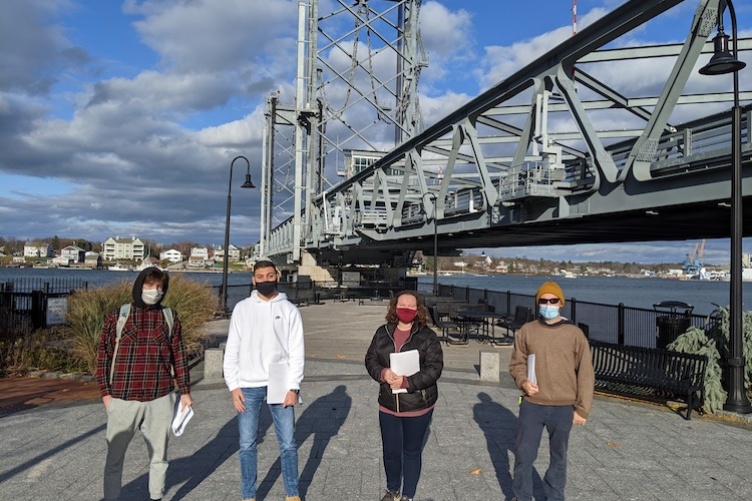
(44, 349)
(194, 303)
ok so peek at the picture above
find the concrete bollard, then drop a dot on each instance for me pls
(489, 366)
(213, 359)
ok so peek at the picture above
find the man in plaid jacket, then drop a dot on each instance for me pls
(135, 371)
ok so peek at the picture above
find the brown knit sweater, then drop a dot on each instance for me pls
(563, 366)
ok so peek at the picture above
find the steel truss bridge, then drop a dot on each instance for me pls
(560, 152)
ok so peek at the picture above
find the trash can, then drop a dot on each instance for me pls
(672, 321)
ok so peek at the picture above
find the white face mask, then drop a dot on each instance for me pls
(549, 311)
(151, 296)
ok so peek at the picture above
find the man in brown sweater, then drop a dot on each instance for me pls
(557, 394)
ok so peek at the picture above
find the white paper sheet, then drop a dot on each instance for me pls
(278, 384)
(405, 363)
(531, 369)
(180, 418)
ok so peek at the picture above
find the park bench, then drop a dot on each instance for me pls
(649, 373)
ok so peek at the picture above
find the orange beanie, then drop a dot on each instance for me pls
(550, 288)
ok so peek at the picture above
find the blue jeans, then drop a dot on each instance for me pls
(558, 422)
(284, 426)
(402, 439)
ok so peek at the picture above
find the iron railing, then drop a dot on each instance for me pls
(609, 323)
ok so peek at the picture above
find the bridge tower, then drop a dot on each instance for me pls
(356, 90)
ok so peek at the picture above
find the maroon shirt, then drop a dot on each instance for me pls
(144, 358)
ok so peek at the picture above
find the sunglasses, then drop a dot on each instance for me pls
(543, 300)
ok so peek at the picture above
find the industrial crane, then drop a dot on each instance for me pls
(693, 263)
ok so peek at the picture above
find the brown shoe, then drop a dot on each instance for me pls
(391, 496)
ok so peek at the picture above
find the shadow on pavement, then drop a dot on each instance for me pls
(193, 469)
(498, 425)
(321, 420)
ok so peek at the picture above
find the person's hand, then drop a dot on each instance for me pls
(390, 377)
(397, 383)
(290, 399)
(185, 401)
(579, 420)
(529, 388)
(106, 401)
(238, 400)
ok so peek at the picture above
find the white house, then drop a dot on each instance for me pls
(233, 252)
(73, 254)
(38, 249)
(93, 259)
(123, 248)
(199, 257)
(171, 255)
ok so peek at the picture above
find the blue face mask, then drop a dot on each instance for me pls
(549, 312)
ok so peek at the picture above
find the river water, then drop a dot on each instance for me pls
(634, 292)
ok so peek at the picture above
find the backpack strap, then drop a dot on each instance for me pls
(125, 311)
(167, 312)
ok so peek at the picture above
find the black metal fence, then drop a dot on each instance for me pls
(24, 305)
(609, 323)
(33, 303)
(304, 292)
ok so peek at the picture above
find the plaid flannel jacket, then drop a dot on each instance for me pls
(145, 354)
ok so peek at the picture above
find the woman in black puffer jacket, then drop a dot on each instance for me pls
(405, 401)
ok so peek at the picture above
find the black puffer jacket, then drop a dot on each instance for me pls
(422, 392)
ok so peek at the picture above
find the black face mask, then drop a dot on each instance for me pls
(266, 288)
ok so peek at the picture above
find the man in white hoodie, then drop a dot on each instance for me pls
(265, 329)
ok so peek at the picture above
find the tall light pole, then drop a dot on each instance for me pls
(721, 63)
(433, 198)
(226, 249)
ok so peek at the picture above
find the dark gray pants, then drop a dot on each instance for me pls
(558, 422)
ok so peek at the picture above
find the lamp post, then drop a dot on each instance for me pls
(433, 198)
(225, 258)
(724, 62)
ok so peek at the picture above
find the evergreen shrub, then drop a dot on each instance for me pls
(713, 342)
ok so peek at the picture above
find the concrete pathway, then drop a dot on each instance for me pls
(627, 451)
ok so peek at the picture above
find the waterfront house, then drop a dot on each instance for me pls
(73, 254)
(171, 255)
(199, 257)
(93, 259)
(232, 251)
(38, 249)
(123, 248)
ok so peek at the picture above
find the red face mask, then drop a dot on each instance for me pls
(406, 315)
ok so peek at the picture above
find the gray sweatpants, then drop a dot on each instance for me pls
(154, 419)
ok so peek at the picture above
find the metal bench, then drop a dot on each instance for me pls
(649, 373)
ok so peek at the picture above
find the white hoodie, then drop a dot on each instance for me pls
(262, 333)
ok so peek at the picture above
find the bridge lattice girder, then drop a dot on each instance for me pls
(557, 153)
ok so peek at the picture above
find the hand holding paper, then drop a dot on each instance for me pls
(405, 363)
(180, 417)
(531, 369)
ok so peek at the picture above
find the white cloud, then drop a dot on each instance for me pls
(145, 147)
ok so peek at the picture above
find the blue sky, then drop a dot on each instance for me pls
(120, 117)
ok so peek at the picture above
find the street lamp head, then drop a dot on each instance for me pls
(723, 61)
(248, 183)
